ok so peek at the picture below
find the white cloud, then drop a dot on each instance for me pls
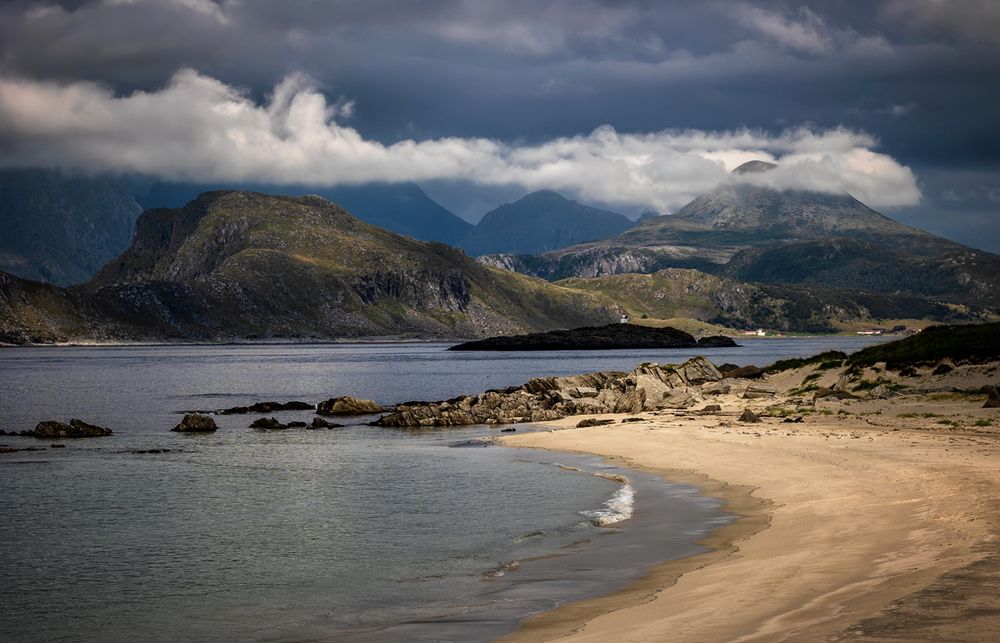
(805, 32)
(200, 129)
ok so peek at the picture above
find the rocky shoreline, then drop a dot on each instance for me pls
(648, 387)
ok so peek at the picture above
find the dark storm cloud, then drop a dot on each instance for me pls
(920, 75)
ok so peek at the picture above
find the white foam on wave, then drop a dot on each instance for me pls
(617, 508)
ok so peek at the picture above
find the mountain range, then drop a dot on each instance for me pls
(541, 221)
(62, 228)
(59, 228)
(755, 233)
(235, 264)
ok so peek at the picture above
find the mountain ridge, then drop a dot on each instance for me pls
(540, 221)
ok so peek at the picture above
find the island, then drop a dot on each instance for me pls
(610, 336)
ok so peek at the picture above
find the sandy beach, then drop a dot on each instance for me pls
(869, 520)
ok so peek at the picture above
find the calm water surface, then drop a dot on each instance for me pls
(359, 533)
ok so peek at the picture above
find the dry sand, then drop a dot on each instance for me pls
(870, 520)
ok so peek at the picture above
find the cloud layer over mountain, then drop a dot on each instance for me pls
(198, 128)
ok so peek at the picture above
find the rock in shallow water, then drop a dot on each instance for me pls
(196, 423)
(347, 406)
(75, 429)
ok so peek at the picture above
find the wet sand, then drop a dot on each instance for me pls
(869, 520)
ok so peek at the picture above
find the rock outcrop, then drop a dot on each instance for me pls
(648, 387)
(196, 423)
(75, 429)
(347, 406)
(621, 336)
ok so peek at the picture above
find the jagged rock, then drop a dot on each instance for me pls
(678, 399)
(710, 408)
(583, 391)
(589, 422)
(347, 406)
(268, 407)
(749, 416)
(632, 401)
(992, 398)
(196, 423)
(320, 423)
(699, 370)
(758, 391)
(745, 372)
(271, 424)
(75, 429)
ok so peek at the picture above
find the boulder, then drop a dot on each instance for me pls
(758, 391)
(749, 416)
(75, 429)
(699, 370)
(716, 388)
(679, 399)
(589, 422)
(196, 423)
(632, 401)
(992, 398)
(347, 406)
(710, 409)
(744, 372)
(271, 424)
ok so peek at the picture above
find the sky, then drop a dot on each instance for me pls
(634, 105)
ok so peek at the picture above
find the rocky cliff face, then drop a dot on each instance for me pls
(247, 265)
(60, 228)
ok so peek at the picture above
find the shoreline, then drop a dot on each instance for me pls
(839, 536)
(751, 515)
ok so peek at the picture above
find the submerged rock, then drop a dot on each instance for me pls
(196, 423)
(271, 424)
(75, 429)
(320, 423)
(268, 407)
(347, 406)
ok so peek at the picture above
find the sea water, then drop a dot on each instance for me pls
(357, 533)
